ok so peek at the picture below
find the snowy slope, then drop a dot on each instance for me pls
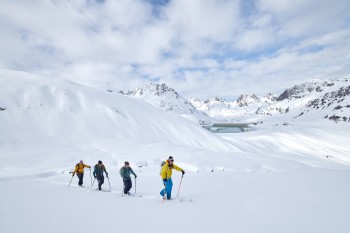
(291, 178)
(166, 98)
(39, 112)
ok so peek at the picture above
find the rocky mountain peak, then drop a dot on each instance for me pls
(153, 89)
(304, 89)
(166, 98)
(271, 97)
(245, 99)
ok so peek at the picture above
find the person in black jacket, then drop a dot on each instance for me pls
(98, 173)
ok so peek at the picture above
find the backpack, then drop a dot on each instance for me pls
(99, 170)
(122, 172)
(77, 166)
(161, 167)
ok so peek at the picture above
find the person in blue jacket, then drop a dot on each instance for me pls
(125, 172)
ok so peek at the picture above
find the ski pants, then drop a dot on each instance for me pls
(101, 180)
(80, 177)
(168, 187)
(127, 185)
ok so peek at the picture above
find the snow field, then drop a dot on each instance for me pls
(276, 178)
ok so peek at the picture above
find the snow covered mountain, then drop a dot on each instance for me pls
(245, 106)
(310, 100)
(313, 100)
(166, 98)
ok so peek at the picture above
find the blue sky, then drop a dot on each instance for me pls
(200, 48)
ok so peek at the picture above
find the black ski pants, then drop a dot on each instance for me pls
(127, 185)
(101, 180)
(80, 177)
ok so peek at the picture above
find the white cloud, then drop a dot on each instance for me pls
(204, 48)
(305, 17)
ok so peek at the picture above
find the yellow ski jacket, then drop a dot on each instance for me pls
(167, 170)
(79, 168)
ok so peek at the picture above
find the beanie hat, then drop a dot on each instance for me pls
(126, 163)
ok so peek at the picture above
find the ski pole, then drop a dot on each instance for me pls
(164, 197)
(109, 184)
(135, 184)
(90, 175)
(93, 183)
(178, 191)
(70, 181)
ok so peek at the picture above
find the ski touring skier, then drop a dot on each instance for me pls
(79, 169)
(166, 173)
(125, 172)
(98, 173)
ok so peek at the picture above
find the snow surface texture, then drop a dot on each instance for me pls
(275, 178)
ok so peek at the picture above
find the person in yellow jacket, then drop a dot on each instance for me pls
(166, 173)
(79, 169)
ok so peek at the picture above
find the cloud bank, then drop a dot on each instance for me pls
(201, 48)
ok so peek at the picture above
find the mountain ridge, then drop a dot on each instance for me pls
(294, 102)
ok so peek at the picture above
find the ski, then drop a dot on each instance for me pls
(185, 199)
(78, 186)
(131, 195)
(103, 190)
(179, 199)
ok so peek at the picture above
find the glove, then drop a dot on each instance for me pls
(165, 180)
(135, 177)
(107, 174)
(183, 172)
(95, 177)
(73, 175)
